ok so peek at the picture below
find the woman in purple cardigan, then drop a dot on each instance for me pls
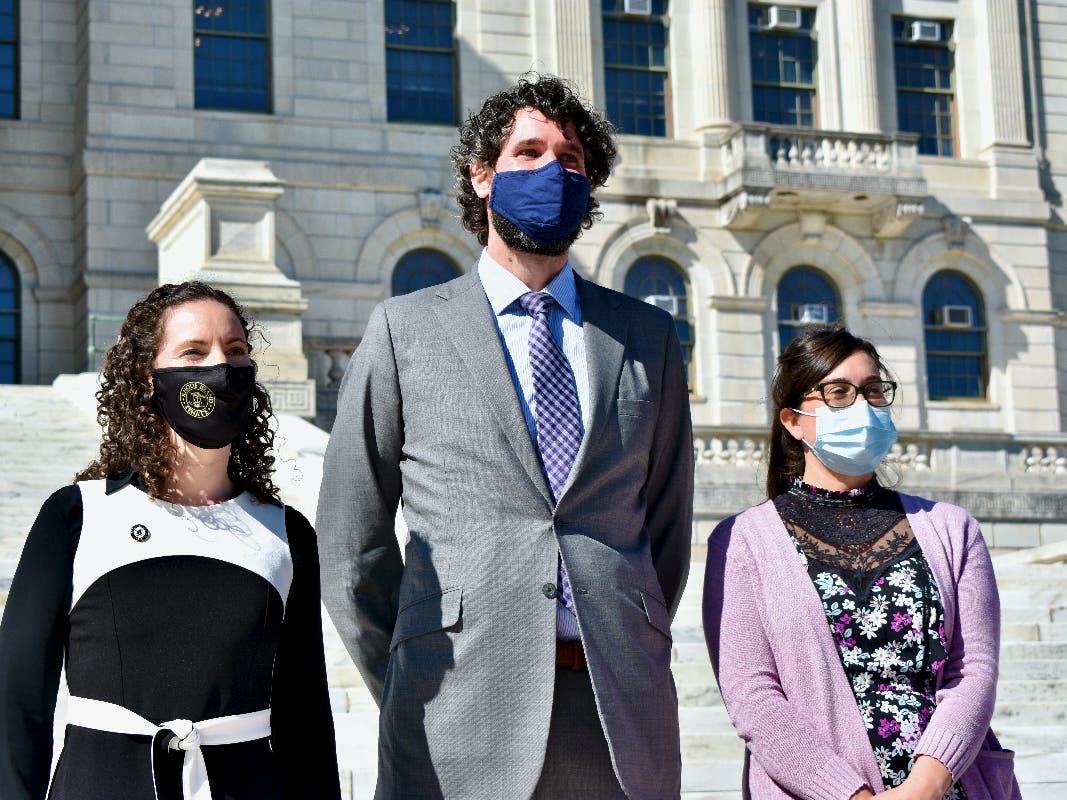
(854, 630)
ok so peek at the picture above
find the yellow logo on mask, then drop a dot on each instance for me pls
(197, 399)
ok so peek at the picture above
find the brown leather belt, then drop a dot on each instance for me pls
(571, 655)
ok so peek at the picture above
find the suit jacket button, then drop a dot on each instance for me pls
(549, 590)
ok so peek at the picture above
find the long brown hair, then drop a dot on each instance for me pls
(806, 360)
(135, 434)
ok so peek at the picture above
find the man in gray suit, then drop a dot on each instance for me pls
(536, 428)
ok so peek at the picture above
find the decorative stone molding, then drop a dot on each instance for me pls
(327, 361)
(733, 452)
(431, 206)
(812, 224)
(1047, 460)
(743, 210)
(909, 456)
(894, 219)
(827, 152)
(660, 212)
(955, 231)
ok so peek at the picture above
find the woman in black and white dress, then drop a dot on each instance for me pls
(181, 595)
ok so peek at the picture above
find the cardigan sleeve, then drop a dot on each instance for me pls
(302, 735)
(778, 736)
(967, 692)
(33, 637)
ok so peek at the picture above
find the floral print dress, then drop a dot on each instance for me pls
(882, 607)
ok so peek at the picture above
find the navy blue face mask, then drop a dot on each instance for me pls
(548, 204)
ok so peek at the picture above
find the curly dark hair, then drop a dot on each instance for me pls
(809, 357)
(482, 137)
(135, 434)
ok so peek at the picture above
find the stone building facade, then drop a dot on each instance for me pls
(895, 165)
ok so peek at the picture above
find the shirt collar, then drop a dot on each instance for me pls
(130, 477)
(503, 288)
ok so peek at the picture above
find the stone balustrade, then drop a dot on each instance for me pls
(789, 148)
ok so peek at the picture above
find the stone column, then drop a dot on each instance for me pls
(859, 66)
(218, 227)
(710, 32)
(1004, 109)
(1002, 141)
(573, 28)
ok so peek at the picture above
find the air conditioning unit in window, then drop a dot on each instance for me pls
(667, 302)
(642, 7)
(955, 317)
(811, 313)
(782, 17)
(925, 31)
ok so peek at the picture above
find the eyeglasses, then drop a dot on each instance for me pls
(842, 394)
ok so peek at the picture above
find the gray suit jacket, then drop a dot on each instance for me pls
(457, 640)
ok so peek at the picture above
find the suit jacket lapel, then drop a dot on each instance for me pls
(467, 319)
(605, 330)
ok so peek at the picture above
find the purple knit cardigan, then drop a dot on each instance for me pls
(781, 676)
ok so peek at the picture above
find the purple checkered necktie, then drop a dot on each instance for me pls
(559, 422)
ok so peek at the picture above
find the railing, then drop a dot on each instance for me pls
(327, 361)
(783, 147)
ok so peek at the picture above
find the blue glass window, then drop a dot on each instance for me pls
(662, 283)
(231, 54)
(9, 322)
(783, 65)
(421, 268)
(635, 67)
(806, 297)
(955, 334)
(9, 59)
(420, 61)
(926, 102)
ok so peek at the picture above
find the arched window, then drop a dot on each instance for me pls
(806, 297)
(954, 331)
(662, 283)
(9, 321)
(421, 268)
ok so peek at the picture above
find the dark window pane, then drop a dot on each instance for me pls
(954, 335)
(421, 268)
(923, 71)
(231, 55)
(805, 297)
(9, 78)
(635, 59)
(783, 70)
(420, 61)
(662, 283)
(10, 325)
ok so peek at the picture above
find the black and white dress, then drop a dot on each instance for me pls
(173, 612)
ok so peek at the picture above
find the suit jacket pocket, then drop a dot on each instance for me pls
(634, 408)
(428, 614)
(658, 616)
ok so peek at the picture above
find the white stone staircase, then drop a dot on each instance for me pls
(47, 434)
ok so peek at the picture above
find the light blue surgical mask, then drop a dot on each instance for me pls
(854, 440)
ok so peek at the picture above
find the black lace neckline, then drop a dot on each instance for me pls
(848, 519)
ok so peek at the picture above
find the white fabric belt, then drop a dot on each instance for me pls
(101, 716)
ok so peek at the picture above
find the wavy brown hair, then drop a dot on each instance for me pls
(136, 436)
(809, 357)
(482, 137)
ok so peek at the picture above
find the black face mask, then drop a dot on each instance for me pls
(206, 406)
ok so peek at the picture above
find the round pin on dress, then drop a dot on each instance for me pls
(139, 533)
